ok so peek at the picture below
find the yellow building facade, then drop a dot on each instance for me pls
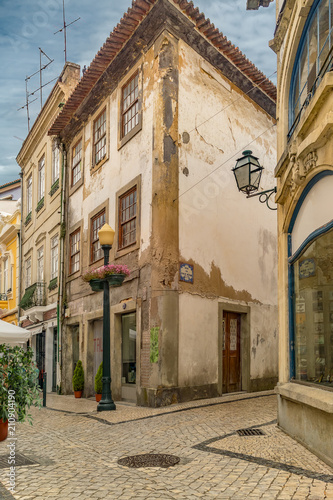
(9, 260)
(303, 42)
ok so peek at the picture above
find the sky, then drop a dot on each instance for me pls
(27, 25)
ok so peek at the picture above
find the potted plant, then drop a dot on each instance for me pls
(99, 383)
(113, 273)
(78, 379)
(19, 386)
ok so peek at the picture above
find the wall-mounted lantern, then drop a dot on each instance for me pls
(247, 172)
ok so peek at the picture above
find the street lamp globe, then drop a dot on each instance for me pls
(106, 235)
(247, 172)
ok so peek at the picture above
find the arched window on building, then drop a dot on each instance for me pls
(311, 284)
(313, 59)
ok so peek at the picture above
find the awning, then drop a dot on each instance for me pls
(12, 334)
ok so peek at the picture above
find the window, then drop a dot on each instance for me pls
(96, 223)
(55, 162)
(29, 195)
(76, 162)
(28, 272)
(41, 178)
(313, 312)
(314, 58)
(54, 257)
(74, 264)
(130, 105)
(40, 264)
(5, 275)
(100, 138)
(127, 218)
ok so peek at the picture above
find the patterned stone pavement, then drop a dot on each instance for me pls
(76, 451)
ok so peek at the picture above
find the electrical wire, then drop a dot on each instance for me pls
(226, 161)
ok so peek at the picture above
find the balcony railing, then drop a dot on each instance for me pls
(34, 296)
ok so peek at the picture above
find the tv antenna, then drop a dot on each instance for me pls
(64, 28)
(29, 94)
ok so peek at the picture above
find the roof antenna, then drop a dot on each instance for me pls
(65, 26)
(29, 94)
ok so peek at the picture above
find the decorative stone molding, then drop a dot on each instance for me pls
(309, 162)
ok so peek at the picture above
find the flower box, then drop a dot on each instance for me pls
(114, 274)
(116, 279)
(96, 285)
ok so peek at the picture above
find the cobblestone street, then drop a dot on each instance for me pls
(75, 451)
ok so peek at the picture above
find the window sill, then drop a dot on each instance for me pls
(130, 134)
(98, 165)
(123, 251)
(76, 186)
(314, 397)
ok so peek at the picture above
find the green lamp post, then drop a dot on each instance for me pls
(106, 237)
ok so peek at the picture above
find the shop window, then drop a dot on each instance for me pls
(313, 312)
(314, 58)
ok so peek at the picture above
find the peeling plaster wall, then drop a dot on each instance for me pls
(231, 241)
(198, 346)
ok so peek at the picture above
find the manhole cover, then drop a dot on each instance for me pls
(20, 460)
(149, 460)
(250, 432)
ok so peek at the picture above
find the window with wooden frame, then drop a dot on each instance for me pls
(97, 222)
(54, 257)
(100, 137)
(55, 162)
(76, 162)
(74, 244)
(127, 218)
(41, 178)
(29, 195)
(28, 272)
(130, 105)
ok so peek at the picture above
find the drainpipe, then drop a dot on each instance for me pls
(19, 235)
(61, 267)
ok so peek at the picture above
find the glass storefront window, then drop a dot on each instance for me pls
(313, 312)
(129, 348)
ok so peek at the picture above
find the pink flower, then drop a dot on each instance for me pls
(103, 271)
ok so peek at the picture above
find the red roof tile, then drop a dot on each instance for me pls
(124, 30)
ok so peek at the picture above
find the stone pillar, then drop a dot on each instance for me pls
(164, 307)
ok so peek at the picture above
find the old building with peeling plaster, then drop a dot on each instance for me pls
(150, 135)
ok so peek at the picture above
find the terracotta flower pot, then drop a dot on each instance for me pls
(78, 394)
(3, 430)
(98, 397)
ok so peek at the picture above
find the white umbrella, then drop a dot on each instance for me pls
(12, 334)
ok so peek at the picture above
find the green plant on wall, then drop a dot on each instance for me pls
(154, 344)
(98, 379)
(78, 377)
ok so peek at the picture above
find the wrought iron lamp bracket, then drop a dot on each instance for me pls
(264, 197)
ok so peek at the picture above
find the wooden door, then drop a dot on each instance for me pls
(231, 368)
